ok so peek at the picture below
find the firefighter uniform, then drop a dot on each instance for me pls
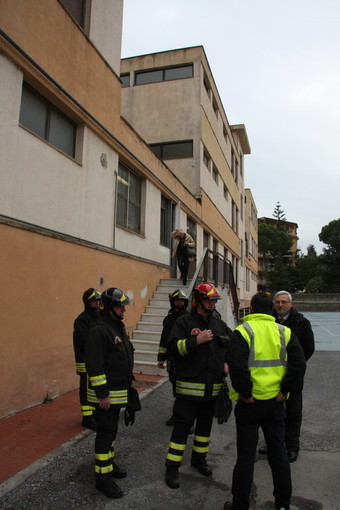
(199, 376)
(82, 324)
(109, 364)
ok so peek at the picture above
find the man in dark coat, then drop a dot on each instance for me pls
(284, 313)
(82, 324)
(109, 364)
(179, 304)
(197, 345)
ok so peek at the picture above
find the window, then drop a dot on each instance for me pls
(206, 159)
(166, 74)
(77, 9)
(215, 174)
(225, 133)
(125, 80)
(129, 199)
(225, 192)
(215, 107)
(44, 120)
(173, 150)
(165, 222)
(207, 85)
(234, 217)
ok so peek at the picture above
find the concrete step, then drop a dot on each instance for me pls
(146, 337)
(145, 345)
(157, 310)
(150, 326)
(152, 336)
(149, 317)
(144, 355)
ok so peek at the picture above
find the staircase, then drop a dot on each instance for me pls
(146, 337)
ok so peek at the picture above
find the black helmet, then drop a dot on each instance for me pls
(178, 294)
(90, 294)
(114, 297)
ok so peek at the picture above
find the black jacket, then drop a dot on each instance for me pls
(203, 363)
(109, 351)
(302, 328)
(168, 324)
(81, 326)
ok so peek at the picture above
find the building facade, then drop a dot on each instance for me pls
(85, 202)
(172, 100)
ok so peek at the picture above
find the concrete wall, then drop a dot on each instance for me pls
(317, 302)
(42, 282)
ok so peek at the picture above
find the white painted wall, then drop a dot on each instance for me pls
(105, 31)
(41, 185)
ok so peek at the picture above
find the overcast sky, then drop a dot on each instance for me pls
(276, 64)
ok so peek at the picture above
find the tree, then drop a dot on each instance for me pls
(308, 271)
(330, 258)
(277, 269)
(279, 213)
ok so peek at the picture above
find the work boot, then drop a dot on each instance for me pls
(172, 477)
(118, 472)
(89, 422)
(107, 485)
(199, 462)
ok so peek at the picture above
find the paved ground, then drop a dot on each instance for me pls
(64, 478)
(326, 327)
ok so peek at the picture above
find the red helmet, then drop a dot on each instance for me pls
(205, 291)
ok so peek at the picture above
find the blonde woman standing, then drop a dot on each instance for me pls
(183, 241)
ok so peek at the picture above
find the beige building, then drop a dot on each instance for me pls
(171, 99)
(84, 200)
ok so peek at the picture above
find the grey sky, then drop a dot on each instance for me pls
(277, 68)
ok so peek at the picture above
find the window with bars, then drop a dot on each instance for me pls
(44, 120)
(129, 196)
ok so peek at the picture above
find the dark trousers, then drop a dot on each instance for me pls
(293, 421)
(183, 265)
(86, 409)
(270, 416)
(185, 413)
(107, 426)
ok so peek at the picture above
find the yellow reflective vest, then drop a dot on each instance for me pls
(267, 361)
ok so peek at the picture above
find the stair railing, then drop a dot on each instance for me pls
(212, 267)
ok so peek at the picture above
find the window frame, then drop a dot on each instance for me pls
(125, 199)
(165, 222)
(51, 113)
(162, 71)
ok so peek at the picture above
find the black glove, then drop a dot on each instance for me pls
(129, 417)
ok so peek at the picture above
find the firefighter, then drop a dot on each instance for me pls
(198, 343)
(82, 324)
(179, 304)
(109, 364)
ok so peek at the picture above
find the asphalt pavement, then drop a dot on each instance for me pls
(64, 480)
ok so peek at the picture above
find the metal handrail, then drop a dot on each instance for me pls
(214, 268)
